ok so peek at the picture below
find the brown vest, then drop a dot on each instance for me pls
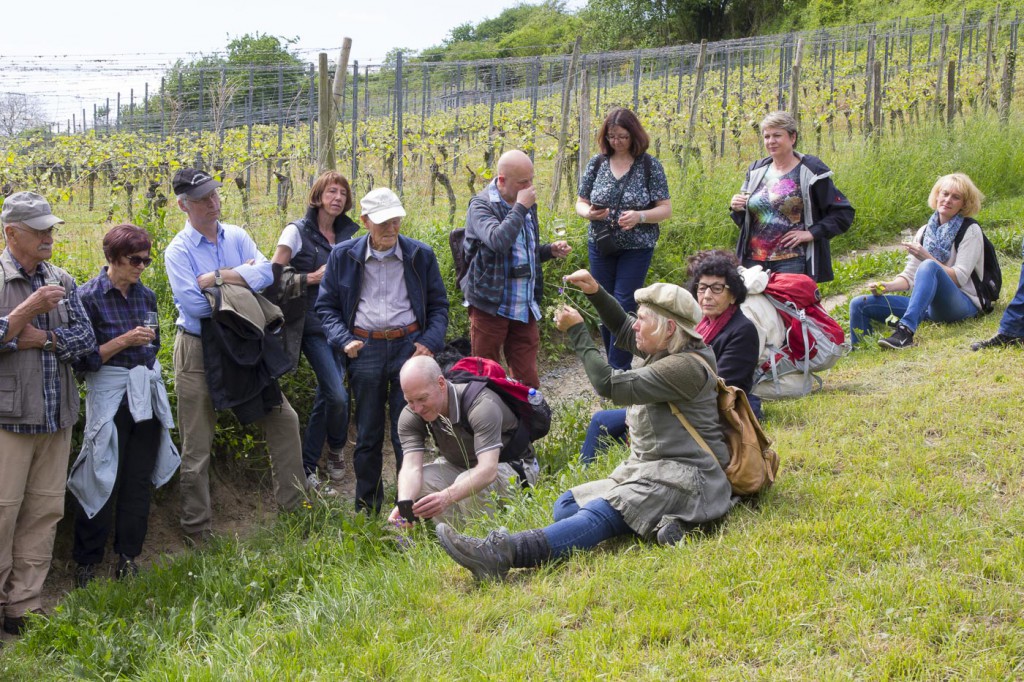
(21, 371)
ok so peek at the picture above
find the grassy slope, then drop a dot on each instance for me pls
(888, 548)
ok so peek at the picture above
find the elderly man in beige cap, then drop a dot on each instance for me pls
(382, 301)
(44, 328)
(670, 484)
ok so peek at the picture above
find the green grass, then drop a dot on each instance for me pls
(889, 548)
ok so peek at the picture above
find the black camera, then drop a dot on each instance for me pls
(521, 271)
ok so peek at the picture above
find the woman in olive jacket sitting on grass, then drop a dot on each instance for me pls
(669, 484)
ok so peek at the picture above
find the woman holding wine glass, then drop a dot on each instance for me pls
(126, 447)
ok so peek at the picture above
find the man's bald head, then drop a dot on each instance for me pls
(424, 387)
(515, 173)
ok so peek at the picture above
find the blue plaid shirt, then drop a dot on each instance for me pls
(70, 342)
(518, 303)
(112, 314)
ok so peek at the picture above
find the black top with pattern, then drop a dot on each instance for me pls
(603, 189)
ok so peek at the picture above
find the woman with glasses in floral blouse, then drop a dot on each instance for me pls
(624, 195)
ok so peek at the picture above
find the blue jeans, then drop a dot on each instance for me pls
(373, 380)
(329, 417)
(605, 425)
(934, 297)
(1012, 323)
(620, 275)
(796, 266)
(584, 527)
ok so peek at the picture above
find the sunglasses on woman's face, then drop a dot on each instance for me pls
(136, 261)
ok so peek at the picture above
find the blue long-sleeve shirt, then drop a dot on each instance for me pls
(190, 255)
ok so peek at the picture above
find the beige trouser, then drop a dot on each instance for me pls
(441, 473)
(196, 422)
(33, 470)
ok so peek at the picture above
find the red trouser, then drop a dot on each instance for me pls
(490, 334)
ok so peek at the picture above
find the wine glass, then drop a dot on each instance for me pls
(151, 320)
(558, 228)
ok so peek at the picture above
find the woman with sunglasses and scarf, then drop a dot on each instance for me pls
(126, 448)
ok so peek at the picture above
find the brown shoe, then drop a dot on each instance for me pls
(198, 539)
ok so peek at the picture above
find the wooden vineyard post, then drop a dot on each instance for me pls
(868, 88)
(942, 65)
(1009, 64)
(698, 85)
(563, 132)
(338, 89)
(794, 84)
(584, 108)
(951, 92)
(876, 98)
(325, 146)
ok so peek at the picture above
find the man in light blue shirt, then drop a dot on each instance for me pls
(208, 253)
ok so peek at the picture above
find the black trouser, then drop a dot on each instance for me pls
(128, 505)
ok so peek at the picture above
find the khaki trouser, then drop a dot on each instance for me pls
(33, 470)
(196, 422)
(441, 473)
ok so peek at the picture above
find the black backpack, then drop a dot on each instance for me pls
(457, 243)
(990, 283)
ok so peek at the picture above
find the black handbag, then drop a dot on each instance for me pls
(604, 231)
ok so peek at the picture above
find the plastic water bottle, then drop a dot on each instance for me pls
(534, 397)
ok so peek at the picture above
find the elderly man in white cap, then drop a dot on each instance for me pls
(43, 329)
(382, 301)
(669, 484)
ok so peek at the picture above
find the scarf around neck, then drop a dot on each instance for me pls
(709, 329)
(938, 239)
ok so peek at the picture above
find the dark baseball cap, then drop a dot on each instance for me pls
(195, 184)
(28, 208)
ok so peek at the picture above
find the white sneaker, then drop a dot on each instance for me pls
(336, 466)
(315, 485)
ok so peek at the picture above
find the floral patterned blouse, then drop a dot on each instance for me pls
(603, 188)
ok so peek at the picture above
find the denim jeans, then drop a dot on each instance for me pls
(620, 275)
(797, 266)
(605, 425)
(329, 416)
(373, 380)
(583, 527)
(934, 297)
(1012, 323)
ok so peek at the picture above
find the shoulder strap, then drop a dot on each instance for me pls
(963, 231)
(686, 422)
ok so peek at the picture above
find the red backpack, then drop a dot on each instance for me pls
(814, 341)
(526, 402)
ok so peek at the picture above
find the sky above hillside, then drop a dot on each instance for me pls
(72, 54)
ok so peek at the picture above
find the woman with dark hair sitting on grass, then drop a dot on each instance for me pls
(719, 289)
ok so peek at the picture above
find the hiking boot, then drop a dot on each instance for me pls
(126, 568)
(315, 486)
(671, 533)
(900, 339)
(84, 574)
(487, 559)
(336, 466)
(198, 539)
(1000, 340)
(15, 625)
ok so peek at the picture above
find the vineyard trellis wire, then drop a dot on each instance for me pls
(445, 120)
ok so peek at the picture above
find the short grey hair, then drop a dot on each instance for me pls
(779, 119)
(679, 340)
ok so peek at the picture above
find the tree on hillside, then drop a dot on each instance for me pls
(18, 113)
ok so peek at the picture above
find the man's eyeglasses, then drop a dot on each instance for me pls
(715, 288)
(48, 232)
(136, 261)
